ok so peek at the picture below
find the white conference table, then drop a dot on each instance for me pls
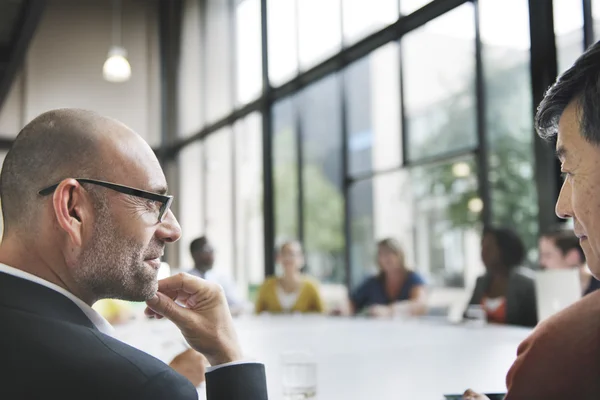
(363, 358)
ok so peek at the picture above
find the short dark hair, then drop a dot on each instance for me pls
(55, 145)
(510, 246)
(198, 244)
(565, 240)
(581, 82)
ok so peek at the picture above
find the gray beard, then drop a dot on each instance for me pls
(112, 265)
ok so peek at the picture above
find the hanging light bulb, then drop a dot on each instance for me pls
(116, 68)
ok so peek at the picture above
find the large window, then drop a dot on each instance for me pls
(322, 179)
(373, 118)
(596, 19)
(248, 50)
(361, 17)
(568, 28)
(446, 215)
(283, 40)
(285, 172)
(408, 6)
(190, 199)
(219, 216)
(439, 85)
(319, 30)
(393, 140)
(219, 87)
(509, 115)
(249, 231)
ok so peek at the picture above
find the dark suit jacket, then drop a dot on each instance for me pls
(521, 305)
(49, 349)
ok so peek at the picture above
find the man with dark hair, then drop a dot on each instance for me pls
(560, 249)
(203, 254)
(561, 358)
(87, 217)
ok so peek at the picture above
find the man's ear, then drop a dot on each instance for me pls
(72, 209)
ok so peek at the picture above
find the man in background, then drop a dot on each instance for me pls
(560, 249)
(203, 254)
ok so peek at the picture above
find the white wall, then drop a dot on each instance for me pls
(63, 66)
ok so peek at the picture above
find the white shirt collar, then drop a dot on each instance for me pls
(102, 324)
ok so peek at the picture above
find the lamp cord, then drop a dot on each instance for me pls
(117, 21)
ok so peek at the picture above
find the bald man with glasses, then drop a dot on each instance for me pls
(87, 217)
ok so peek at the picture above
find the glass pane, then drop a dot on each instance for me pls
(568, 30)
(596, 17)
(218, 61)
(248, 201)
(509, 109)
(320, 30)
(283, 40)
(248, 49)
(219, 198)
(285, 171)
(409, 6)
(446, 217)
(439, 84)
(322, 180)
(380, 208)
(190, 199)
(190, 91)
(362, 17)
(373, 117)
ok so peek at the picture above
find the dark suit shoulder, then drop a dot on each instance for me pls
(71, 361)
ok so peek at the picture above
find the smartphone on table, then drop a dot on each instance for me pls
(491, 396)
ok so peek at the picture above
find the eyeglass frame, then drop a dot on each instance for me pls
(164, 199)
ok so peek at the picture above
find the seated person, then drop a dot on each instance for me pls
(292, 292)
(115, 311)
(395, 285)
(560, 249)
(203, 255)
(506, 292)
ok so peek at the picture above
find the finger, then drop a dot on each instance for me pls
(166, 307)
(180, 297)
(182, 282)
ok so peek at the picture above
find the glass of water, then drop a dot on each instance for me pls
(299, 372)
(476, 315)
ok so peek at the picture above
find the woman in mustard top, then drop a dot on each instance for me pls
(292, 292)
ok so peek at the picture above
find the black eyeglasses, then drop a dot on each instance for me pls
(164, 200)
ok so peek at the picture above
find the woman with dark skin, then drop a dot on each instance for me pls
(506, 291)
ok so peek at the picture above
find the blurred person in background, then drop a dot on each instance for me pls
(395, 289)
(560, 249)
(506, 291)
(203, 254)
(292, 292)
